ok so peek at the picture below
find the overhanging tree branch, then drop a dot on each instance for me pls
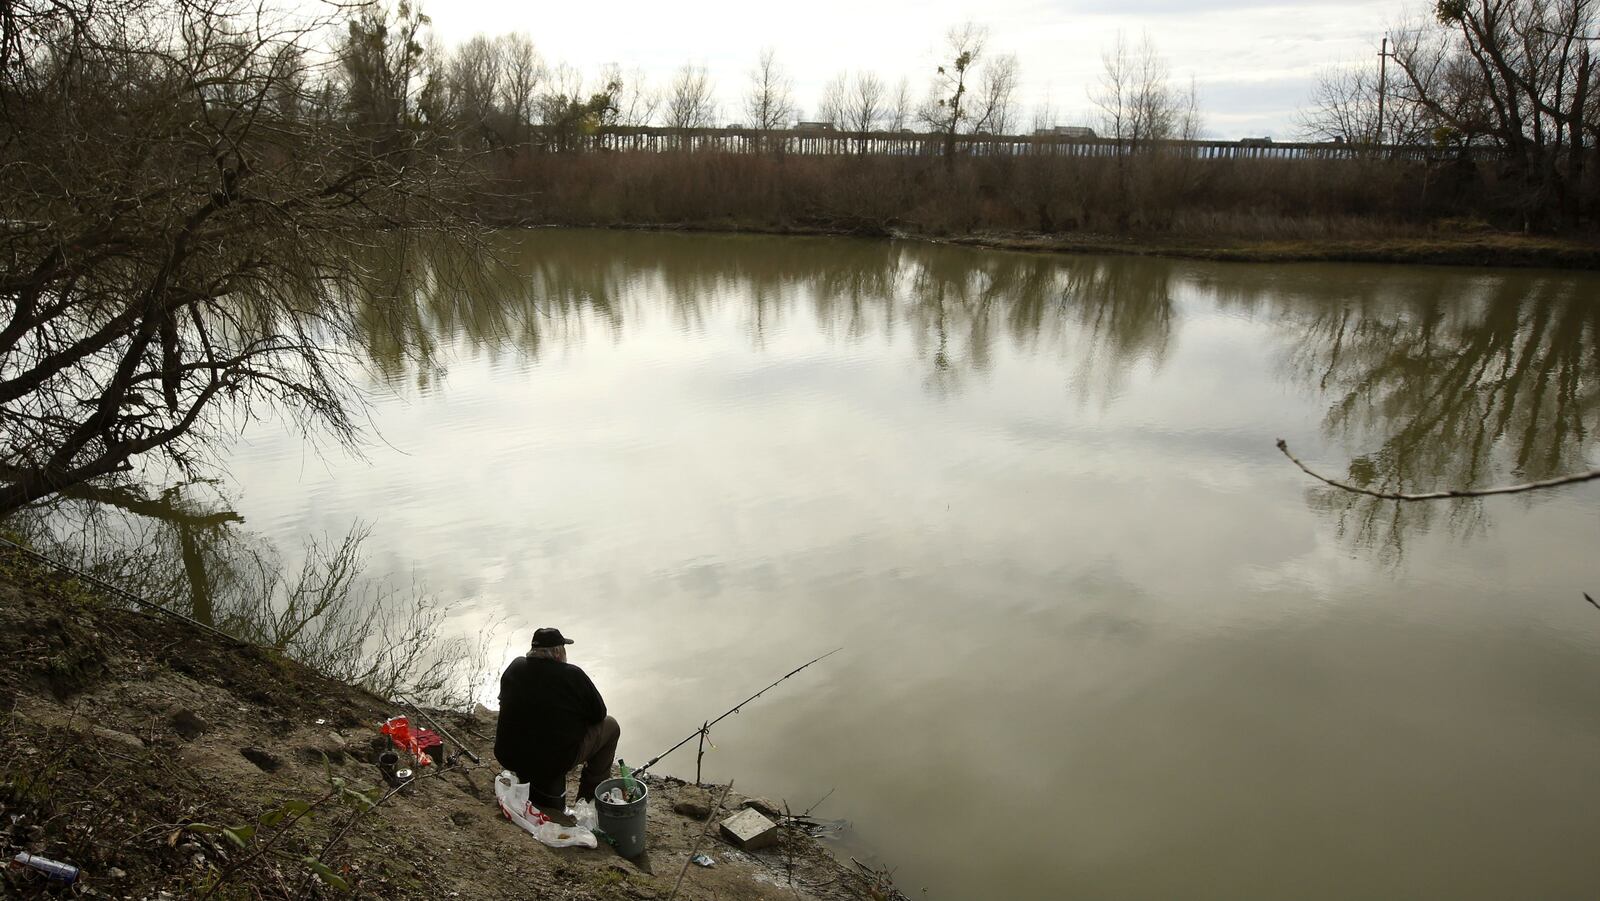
(184, 249)
(1447, 494)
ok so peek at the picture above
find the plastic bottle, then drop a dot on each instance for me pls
(629, 789)
(60, 872)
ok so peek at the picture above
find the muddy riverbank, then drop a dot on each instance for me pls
(131, 738)
(1481, 248)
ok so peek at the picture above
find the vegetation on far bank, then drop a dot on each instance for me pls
(1436, 248)
(1430, 248)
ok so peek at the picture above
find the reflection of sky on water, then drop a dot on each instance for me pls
(1080, 593)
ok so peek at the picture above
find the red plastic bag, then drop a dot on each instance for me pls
(411, 740)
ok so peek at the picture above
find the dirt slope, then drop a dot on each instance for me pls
(123, 729)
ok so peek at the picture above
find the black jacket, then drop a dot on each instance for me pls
(546, 706)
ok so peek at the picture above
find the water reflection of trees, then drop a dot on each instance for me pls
(1101, 315)
(1455, 382)
(183, 548)
(956, 305)
(1431, 378)
(423, 297)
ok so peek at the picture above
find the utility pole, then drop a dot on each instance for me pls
(1383, 72)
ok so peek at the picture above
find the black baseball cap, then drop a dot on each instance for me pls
(549, 638)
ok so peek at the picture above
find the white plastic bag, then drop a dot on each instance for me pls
(588, 817)
(514, 803)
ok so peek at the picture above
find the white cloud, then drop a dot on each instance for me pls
(1259, 54)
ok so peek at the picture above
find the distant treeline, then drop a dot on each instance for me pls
(1491, 101)
(1496, 97)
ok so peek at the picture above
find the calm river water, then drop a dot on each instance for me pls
(1100, 639)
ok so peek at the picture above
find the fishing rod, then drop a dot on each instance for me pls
(122, 592)
(440, 729)
(730, 712)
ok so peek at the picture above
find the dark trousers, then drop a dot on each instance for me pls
(596, 752)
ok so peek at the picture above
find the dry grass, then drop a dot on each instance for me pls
(1243, 199)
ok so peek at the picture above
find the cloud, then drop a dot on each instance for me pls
(1226, 45)
(1187, 7)
(1255, 107)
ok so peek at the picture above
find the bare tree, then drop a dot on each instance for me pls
(636, 102)
(382, 61)
(432, 104)
(770, 101)
(563, 87)
(899, 115)
(995, 97)
(689, 102)
(947, 110)
(1190, 123)
(1140, 107)
(1345, 107)
(1136, 100)
(1518, 74)
(1044, 115)
(172, 263)
(571, 113)
(521, 74)
(864, 107)
(474, 88)
(835, 99)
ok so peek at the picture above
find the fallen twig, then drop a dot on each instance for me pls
(715, 809)
(1571, 479)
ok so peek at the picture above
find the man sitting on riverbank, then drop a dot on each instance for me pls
(552, 719)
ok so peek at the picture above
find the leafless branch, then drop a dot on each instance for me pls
(711, 818)
(1446, 494)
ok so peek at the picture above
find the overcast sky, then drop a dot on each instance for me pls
(1253, 60)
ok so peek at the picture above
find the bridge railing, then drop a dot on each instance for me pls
(821, 142)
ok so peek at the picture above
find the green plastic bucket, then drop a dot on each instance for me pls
(623, 822)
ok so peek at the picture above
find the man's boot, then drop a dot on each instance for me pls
(557, 815)
(551, 800)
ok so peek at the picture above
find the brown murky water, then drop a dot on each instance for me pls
(1101, 639)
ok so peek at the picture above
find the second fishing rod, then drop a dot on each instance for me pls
(705, 727)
